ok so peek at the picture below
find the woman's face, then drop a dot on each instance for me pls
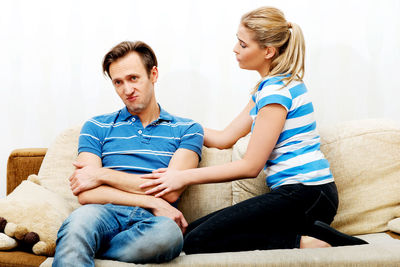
(248, 52)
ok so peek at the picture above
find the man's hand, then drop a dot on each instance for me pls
(84, 178)
(163, 208)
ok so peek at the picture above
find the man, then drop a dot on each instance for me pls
(117, 220)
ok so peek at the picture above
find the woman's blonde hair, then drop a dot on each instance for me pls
(271, 29)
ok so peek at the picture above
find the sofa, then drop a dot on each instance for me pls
(365, 160)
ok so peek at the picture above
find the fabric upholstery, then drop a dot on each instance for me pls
(20, 259)
(394, 225)
(57, 165)
(22, 163)
(383, 251)
(200, 200)
(365, 161)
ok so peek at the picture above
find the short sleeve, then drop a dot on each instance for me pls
(274, 94)
(192, 138)
(90, 139)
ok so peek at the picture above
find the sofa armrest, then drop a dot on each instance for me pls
(22, 163)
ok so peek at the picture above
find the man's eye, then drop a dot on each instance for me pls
(117, 82)
(133, 78)
(243, 45)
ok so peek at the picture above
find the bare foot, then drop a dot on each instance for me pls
(311, 242)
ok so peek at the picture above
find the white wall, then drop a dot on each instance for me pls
(51, 52)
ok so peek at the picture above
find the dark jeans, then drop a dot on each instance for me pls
(271, 221)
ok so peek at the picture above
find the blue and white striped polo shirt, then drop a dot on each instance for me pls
(122, 143)
(297, 157)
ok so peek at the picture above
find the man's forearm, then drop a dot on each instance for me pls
(106, 194)
(121, 180)
(158, 207)
(128, 182)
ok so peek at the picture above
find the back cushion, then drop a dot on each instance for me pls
(365, 161)
(57, 165)
(200, 200)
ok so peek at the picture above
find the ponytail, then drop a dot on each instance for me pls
(271, 29)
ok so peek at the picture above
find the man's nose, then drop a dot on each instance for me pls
(129, 89)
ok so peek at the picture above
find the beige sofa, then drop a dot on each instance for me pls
(365, 161)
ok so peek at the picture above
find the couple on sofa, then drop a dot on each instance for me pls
(133, 164)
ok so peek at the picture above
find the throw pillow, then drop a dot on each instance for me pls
(34, 210)
(394, 225)
(57, 165)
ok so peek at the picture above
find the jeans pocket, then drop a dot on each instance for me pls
(322, 209)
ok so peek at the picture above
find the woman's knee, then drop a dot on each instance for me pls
(190, 243)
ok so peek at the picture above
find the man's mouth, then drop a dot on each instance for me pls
(131, 98)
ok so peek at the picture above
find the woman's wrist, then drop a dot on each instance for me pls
(187, 177)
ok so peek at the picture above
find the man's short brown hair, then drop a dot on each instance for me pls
(145, 52)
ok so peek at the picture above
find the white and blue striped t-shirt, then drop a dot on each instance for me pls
(122, 143)
(297, 157)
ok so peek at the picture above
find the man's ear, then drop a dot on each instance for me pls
(270, 52)
(154, 74)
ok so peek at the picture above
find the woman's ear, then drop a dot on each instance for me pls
(270, 52)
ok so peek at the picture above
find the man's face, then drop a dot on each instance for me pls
(133, 85)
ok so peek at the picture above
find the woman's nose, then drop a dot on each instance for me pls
(235, 49)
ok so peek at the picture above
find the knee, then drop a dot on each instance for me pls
(162, 242)
(168, 232)
(190, 243)
(169, 241)
(196, 241)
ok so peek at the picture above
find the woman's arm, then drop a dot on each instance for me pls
(238, 128)
(269, 124)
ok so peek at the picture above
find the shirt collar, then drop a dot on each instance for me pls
(164, 115)
(272, 80)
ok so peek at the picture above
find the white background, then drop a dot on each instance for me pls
(51, 53)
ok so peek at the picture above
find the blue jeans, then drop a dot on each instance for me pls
(122, 233)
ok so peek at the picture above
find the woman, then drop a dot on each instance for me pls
(303, 199)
